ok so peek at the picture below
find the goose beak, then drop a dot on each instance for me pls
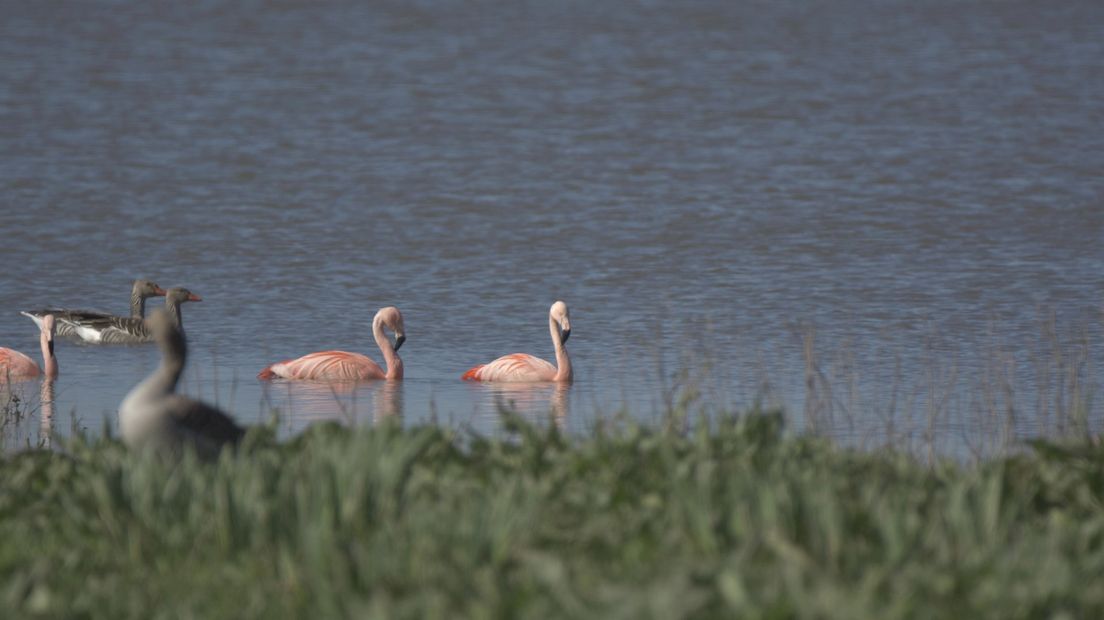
(158, 291)
(399, 340)
(194, 297)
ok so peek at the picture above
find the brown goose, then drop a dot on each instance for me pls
(127, 330)
(142, 290)
(152, 415)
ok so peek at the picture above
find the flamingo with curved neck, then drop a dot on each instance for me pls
(16, 365)
(346, 366)
(518, 367)
(152, 414)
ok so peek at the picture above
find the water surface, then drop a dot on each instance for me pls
(707, 184)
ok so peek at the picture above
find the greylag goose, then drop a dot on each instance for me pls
(345, 366)
(524, 367)
(142, 290)
(18, 366)
(152, 415)
(127, 330)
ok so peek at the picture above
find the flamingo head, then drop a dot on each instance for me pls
(562, 317)
(391, 317)
(48, 329)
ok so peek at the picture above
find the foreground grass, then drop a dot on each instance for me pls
(386, 522)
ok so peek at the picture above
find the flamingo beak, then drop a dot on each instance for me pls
(565, 333)
(194, 297)
(399, 340)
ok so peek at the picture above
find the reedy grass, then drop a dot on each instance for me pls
(939, 402)
(737, 520)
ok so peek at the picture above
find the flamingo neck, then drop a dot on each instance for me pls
(563, 362)
(137, 304)
(49, 361)
(390, 357)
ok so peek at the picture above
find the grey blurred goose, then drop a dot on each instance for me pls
(130, 330)
(153, 416)
(142, 290)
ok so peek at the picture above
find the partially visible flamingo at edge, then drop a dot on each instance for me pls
(346, 366)
(16, 365)
(519, 367)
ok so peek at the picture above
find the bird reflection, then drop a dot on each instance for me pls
(46, 410)
(314, 401)
(532, 399)
(387, 401)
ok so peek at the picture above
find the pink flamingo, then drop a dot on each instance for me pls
(345, 366)
(519, 367)
(15, 365)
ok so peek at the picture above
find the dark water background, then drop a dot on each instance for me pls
(886, 216)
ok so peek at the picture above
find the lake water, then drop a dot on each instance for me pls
(886, 216)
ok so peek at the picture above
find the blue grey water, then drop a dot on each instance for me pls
(885, 216)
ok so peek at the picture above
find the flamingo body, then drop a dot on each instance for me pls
(17, 365)
(326, 366)
(516, 367)
(522, 367)
(345, 366)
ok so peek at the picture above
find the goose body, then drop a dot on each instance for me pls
(128, 330)
(153, 416)
(66, 318)
(522, 367)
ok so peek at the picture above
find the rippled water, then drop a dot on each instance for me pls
(707, 184)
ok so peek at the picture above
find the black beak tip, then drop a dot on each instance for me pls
(399, 342)
(566, 335)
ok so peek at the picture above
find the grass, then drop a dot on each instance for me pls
(740, 520)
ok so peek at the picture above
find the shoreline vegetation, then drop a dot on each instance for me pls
(732, 518)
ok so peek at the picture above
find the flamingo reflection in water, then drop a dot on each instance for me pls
(13, 396)
(46, 412)
(531, 400)
(342, 401)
